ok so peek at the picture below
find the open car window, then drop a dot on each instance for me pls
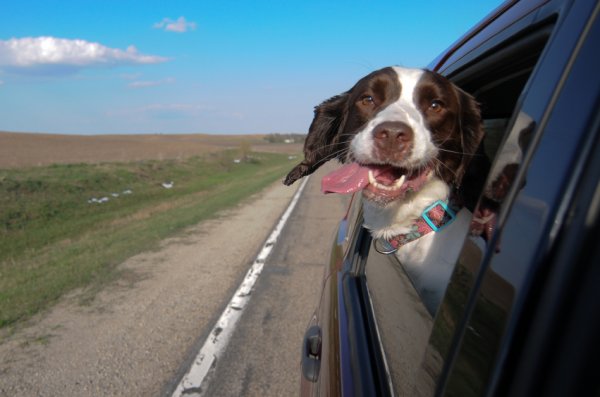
(402, 301)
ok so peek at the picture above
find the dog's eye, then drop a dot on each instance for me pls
(367, 100)
(436, 105)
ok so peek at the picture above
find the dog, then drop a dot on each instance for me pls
(405, 137)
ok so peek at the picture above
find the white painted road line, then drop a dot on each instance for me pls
(192, 382)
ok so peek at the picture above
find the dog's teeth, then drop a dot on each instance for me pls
(372, 180)
(381, 186)
(400, 181)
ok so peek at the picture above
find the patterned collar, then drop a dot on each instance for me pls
(433, 219)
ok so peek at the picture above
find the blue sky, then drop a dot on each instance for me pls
(112, 67)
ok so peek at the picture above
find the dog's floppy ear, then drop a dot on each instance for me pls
(322, 141)
(471, 132)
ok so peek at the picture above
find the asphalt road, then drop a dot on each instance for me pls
(263, 357)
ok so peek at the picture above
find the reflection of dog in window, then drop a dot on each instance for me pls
(502, 176)
(406, 136)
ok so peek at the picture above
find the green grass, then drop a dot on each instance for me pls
(52, 240)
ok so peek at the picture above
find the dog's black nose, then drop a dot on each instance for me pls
(392, 134)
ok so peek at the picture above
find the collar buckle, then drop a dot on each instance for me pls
(447, 217)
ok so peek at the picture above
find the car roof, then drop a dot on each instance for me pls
(495, 22)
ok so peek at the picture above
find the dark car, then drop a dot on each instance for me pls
(520, 315)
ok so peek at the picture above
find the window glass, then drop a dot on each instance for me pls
(401, 317)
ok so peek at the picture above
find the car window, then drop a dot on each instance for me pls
(404, 310)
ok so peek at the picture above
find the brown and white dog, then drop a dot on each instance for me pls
(406, 137)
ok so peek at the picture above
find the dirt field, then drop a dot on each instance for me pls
(26, 149)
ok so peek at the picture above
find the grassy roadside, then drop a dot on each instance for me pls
(54, 239)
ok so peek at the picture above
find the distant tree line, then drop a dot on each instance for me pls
(285, 138)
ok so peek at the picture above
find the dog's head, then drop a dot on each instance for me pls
(396, 126)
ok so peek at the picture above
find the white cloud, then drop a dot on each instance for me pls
(179, 26)
(40, 52)
(144, 84)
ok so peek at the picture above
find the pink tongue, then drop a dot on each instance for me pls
(349, 178)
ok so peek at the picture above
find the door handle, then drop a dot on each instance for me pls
(311, 353)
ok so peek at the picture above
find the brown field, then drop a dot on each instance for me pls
(29, 149)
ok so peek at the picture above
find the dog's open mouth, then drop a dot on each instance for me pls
(379, 183)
